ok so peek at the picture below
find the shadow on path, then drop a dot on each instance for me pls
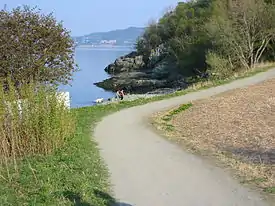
(77, 200)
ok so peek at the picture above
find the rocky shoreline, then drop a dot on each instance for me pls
(132, 97)
(130, 73)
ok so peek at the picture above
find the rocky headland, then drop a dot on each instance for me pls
(131, 73)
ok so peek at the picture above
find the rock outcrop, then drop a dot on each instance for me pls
(128, 63)
(131, 73)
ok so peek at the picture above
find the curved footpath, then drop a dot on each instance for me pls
(147, 170)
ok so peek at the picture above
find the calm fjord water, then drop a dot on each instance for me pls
(91, 62)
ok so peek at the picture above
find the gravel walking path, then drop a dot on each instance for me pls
(147, 170)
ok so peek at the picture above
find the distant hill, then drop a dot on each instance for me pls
(119, 37)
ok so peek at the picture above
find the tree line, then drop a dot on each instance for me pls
(213, 36)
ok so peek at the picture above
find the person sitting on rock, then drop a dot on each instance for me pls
(120, 94)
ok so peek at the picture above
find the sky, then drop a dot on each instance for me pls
(86, 16)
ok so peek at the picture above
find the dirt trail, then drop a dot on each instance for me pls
(147, 170)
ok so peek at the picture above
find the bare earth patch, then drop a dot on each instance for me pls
(237, 126)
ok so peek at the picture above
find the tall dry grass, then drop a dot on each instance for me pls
(33, 121)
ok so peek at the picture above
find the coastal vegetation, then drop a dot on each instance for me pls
(34, 46)
(195, 40)
(75, 173)
(47, 154)
(36, 54)
(212, 36)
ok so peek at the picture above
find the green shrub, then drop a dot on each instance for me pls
(219, 66)
(33, 121)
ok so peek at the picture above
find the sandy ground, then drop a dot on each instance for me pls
(147, 170)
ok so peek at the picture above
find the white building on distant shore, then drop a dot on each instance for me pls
(108, 42)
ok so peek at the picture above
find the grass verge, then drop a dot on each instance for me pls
(75, 174)
(165, 119)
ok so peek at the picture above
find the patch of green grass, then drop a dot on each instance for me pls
(174, 112)
(260, 180)
(72, 175)
(75, 174)
(270, 190)
(168, 117)
(169, 127)
(256, 180)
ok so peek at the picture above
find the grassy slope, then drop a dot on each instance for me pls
(74, 175)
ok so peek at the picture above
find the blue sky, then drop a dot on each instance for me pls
(86, 16)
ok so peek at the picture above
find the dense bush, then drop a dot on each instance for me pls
(218, 66)
(35, 46)
(206, 34)
(33, 120)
